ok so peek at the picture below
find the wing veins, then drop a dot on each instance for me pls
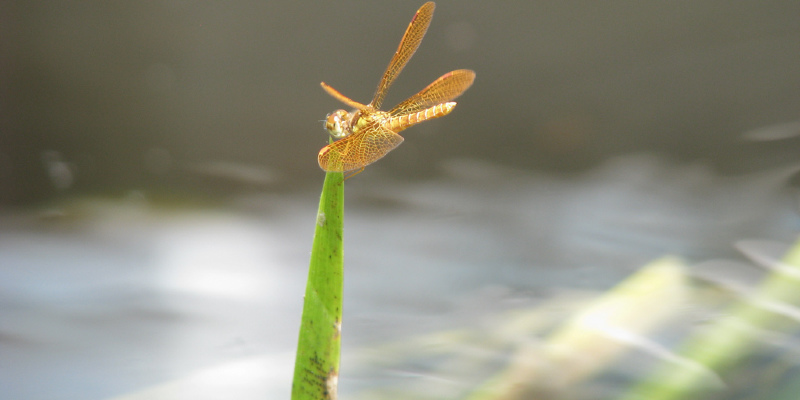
(408, 46)
(446, 88)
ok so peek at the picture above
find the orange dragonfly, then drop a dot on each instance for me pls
(366, 134)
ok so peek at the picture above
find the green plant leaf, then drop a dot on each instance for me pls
(730, 338)
(316, 371)
(635, 306)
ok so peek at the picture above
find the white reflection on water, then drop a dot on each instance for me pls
(107, 298)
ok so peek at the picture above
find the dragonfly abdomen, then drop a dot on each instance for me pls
(401, 122)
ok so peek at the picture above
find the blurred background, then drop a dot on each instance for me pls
(158, 179)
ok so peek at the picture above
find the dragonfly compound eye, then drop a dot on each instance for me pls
(337, 124)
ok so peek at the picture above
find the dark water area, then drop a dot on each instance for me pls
(146, 95)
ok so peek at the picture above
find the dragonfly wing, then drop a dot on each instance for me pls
(344, 99)
(446, 88)
(408, 45)
(358, 150)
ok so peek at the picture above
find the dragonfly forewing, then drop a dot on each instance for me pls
(408, 46)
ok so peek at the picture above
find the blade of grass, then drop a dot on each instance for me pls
(592, 339)
(316, 371)
(732, 337)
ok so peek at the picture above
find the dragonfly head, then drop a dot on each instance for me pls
(338, 124)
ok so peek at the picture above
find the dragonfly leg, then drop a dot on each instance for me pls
(354, 174)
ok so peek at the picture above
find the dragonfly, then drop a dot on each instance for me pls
(366, 134)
